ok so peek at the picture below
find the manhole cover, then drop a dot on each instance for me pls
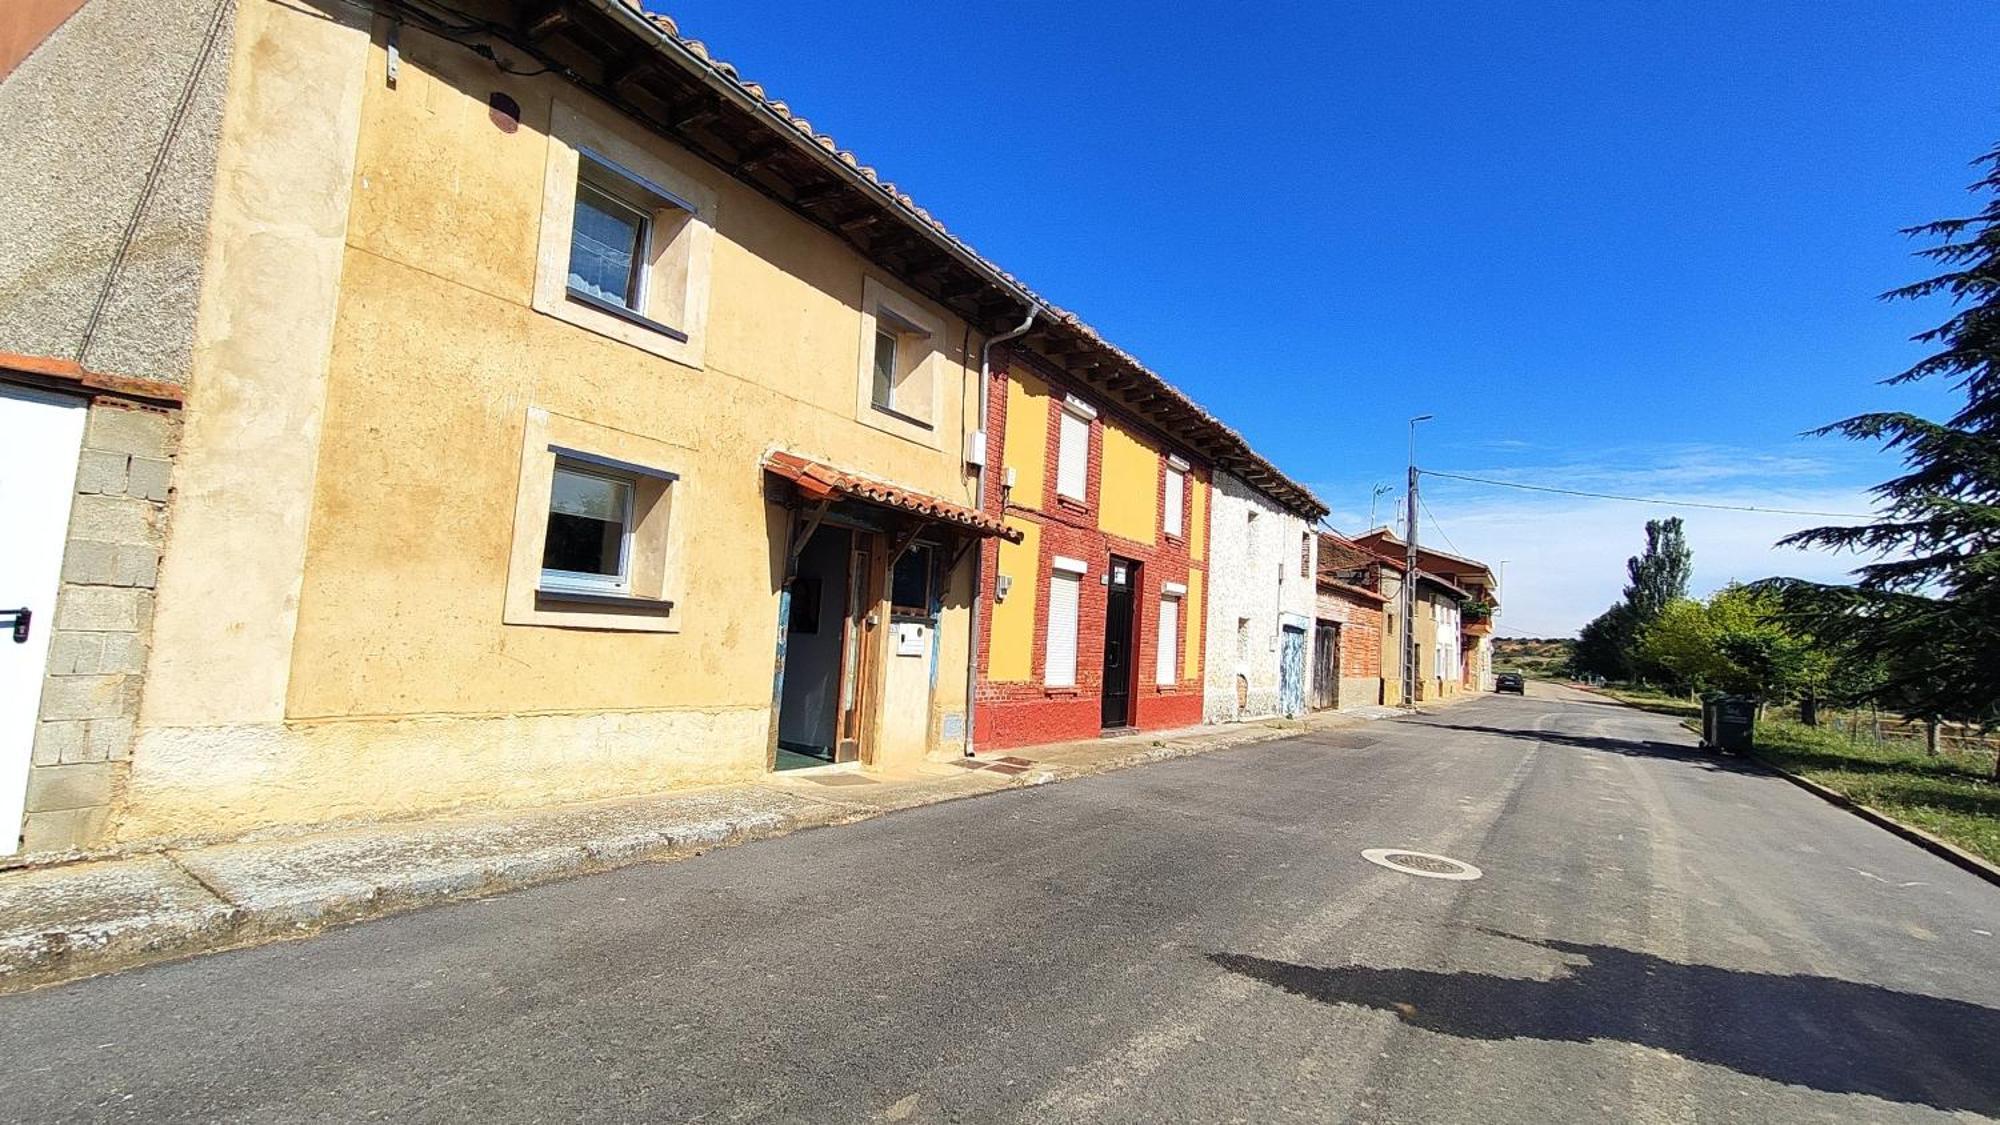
(1421, 863)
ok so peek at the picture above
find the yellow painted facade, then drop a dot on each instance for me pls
(1128, 503)
(387, 682)
(1010, 655)
(1027, 435)
(1197, 613)
(1197, 518)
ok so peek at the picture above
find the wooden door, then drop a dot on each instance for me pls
(1326, 666)
(857, 653)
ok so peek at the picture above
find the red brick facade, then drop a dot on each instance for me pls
(1009, 714)
(1359, 614)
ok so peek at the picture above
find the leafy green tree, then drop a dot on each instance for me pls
(1681, 642)
(1604, 646)
(1926, 611)
(1737, 642)
(1660, 573)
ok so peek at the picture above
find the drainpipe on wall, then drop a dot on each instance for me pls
(979, 556)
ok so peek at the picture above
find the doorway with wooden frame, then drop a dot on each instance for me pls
(826, 700)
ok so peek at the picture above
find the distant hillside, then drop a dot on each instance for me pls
(1533, 656)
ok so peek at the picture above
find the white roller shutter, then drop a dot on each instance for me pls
(1170, 642)
(1072, 456)
(1060, 667)
(1176, 485)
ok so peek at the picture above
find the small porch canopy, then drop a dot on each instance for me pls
(821, 483)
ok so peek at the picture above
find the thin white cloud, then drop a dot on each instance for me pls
(1565, 556)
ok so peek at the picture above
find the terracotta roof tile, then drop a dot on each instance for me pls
(818, 478)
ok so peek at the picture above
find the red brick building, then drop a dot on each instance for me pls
(1092, 622)
(1347, 633)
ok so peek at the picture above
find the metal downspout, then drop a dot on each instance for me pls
(979, 556)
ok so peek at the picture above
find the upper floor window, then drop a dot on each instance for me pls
(901, 382)
(900, 365)
(622, 259)
(1305, 555)
(1073, 448)
(1176, 497)
(626, 240)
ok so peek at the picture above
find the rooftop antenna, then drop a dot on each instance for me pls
(1381, 490)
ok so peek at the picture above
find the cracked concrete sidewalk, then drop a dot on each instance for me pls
(64, 920)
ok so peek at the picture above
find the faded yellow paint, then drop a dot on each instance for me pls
(1197, 518)
(1128, 499)
(402, 688)
(1010, 656)
(1027, 451)
(1194, 613)
(229, 584)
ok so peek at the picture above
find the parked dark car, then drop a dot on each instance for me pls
(1510, 681)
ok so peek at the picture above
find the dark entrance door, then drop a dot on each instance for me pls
(1118, 642)
(1326, 666)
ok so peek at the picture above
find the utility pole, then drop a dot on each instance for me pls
(1410, 575)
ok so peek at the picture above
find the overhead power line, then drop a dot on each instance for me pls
(1662, 502)
(1426, 506)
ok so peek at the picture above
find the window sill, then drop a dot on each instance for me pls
(1072, 503)
(629, 316)
(1061, 692)
(899, 416)
(604, 601)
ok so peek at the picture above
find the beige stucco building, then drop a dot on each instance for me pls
(553, 416)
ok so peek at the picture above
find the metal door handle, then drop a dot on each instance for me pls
(20, 621)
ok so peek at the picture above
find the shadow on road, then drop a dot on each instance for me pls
(1631, 747)
(1828, 1034)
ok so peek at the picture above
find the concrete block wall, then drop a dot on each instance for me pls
(103, 626)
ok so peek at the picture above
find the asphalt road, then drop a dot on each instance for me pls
(1656, 936)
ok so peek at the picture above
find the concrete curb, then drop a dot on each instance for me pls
(1943, 849)
(80, 918)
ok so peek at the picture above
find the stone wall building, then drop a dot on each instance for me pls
(1261, 602)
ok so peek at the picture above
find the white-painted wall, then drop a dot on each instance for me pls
(1253, 577)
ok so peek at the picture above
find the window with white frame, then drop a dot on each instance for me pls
(588, 544)
(901, 362)
(622, 234)
(1176, 497)
(626, 237)
(1073, 448)
(1166, 670)
(1065, 598)
(595, 542)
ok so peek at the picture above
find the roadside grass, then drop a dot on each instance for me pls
(1952, 796)
(1647, 699)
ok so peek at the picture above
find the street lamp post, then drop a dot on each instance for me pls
(1410, 575)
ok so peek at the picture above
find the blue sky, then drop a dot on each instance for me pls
(1629, 247)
